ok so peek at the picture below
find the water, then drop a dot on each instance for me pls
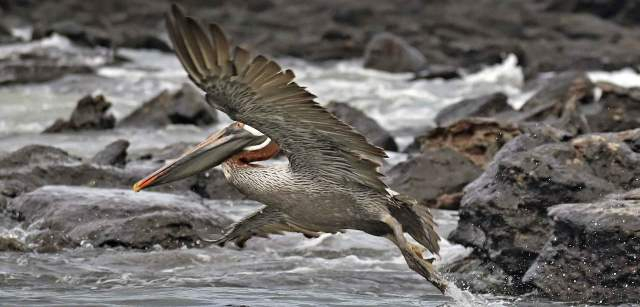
(349, 269)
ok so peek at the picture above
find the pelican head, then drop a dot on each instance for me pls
(236, 139)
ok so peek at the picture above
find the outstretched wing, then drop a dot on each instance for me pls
(257, 92)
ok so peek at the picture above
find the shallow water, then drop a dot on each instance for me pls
(350, 269)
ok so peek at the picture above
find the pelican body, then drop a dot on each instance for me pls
(331, 182)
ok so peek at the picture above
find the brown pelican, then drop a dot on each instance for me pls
(331, 182)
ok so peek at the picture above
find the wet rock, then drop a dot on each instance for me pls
(444, 72)
(185, 106)
(391, 53)
(363, 124)
(593, 252)
(503, 213)
(478, 139)
(622, 11)
(568, 102)
(485, 106)
(113, 154)
(617, 109)
(111, 217)
(480, 276)
(433, 175)
(42, 61)
(34, 166)
(560, 101)
(91, 113)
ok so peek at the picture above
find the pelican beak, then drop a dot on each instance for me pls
(217, 148)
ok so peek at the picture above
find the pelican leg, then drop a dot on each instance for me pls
(261, 223)
(413, 255)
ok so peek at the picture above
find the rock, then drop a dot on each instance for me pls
(617, 109)
(433, 174)
(503, 213)
(476, 138)
(479, 276)
(34, 166)
(91, 113)
(559, 102)
(622, 11)
(485, 106)
(113, 154)
(186, 106)
(568, 102)
(111, 217)
(11, 244)
(391, 53)
(363, 124)
(593, 252)
(444, 72)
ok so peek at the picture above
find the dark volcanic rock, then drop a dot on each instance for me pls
(617, 109)
(479, 275)
(74, 216)
(36, 62)
(34, 166)
(186, 106)
(503, 213)
(567, 101)
(363, 124)
(91, 113)
(433, 174)
(561, 102)
(391, 53)
(114, 154)
(438, 72)
(592, 255)
(485, 106)
(476, 138)
(453, 33)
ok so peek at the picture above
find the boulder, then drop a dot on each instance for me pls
(592, 254)
(434, 177)
(185, 106)
(503, 213)
(478, 139)
(484, 106)
(70, 217)
(391, 53)
(113, 154)
(91, 113)
(363, 124)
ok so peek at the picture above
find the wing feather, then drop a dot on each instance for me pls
(259, 93)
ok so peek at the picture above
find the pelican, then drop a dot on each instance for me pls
(331, 182)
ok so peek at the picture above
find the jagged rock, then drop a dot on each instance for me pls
(186, 106)
(91, 113)
(75, 216)
(485, 106)
(593, 252)
(503, 214)
(113, 154)
(476, 138)
(363, 124)
(432, 175)
(391, 53)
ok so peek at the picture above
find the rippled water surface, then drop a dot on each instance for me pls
(349, 269)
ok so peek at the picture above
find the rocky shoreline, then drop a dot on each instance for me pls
(547, 193)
